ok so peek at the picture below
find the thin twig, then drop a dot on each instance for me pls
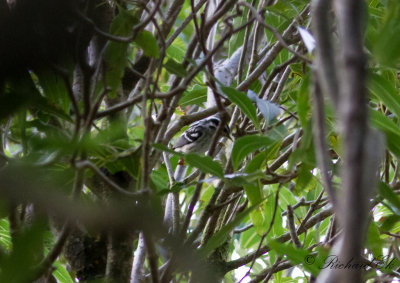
(152, 257)
(264, 235)
(320, 143)
(292, 227)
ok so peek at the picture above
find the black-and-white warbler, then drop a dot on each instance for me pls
(198, 137)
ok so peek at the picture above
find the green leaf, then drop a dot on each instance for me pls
(23, 256)
(241, 179)
(116, 54)
(61, 274)
(166, 149)
(255, 194)
(256, 163)
(302, 103)
(5, 238)
(387, 193)
(54, 89)
(384, 123)
(148, 43)
(305, 176)
(197, 96)
(389, 222)
(387, 42)
(268, 215)
(298, 256)
(374, 241)
(286, 198)
(205, 164)
(177, 49)
(160, 179)
(220, 237)
(246, 145)
(385, 92)
(277, 225)
(175, 68)
(245, 104)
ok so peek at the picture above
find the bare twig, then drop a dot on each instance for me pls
(231, 265)
(264, 63)
(138, 260)
(264, 235)
(152, 257)
(320, 143)
(292, 227)
(325, 60)
(274, 31)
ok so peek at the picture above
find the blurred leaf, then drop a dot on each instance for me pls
(221, 236)
(206, 194)
(55, 90)
(305, 153)
(387, 193)
(18, 92)
(391, 130)
(304, 176)
(303, 103)
(116, 54)
(246, 145)
(175, 68)
(386, 44)
(388, 222)
(129, 161)
(148, 43)
(205, 164)
(385, 92)
(48, 107)
(24, 255)
(244, 103)
(298, 256)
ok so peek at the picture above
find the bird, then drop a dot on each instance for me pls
(197, 138)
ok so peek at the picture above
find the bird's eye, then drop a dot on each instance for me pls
(214, 121)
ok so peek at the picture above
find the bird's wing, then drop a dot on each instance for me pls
(192, 134)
